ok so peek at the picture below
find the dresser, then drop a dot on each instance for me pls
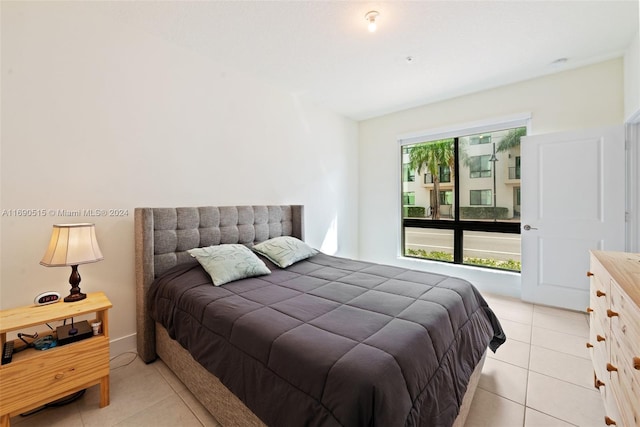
(614, 337)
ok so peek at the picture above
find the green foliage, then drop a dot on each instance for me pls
(431, 155)
(483, 212)
(436, 255)
(504, 265)
(415, 211)
(510, 264)
(511, 139)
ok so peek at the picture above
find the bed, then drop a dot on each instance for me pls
(326, 341)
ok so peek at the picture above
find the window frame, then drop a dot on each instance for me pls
(408, 196)
(482, 191)
(458, 226)
(480, 139)
(443, 197)
(481, 173)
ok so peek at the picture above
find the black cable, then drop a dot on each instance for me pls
(60, 402)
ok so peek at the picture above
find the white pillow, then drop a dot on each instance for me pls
(285, 250)
(226, 263)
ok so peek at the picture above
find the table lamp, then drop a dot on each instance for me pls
(72, 245)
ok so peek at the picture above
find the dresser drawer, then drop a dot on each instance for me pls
(625, 319)
(599, 297)
(625, 346)
(626, 384)
(600, 278)
(599, 351)
(615, 318)
(598, 313)
(29, 379)
(610, 406)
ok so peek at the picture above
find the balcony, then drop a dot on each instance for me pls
(514, 176)
(445, 181)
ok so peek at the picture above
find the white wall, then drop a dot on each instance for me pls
(632, 117)
(586, 97)
(632, 80)
(99, 115)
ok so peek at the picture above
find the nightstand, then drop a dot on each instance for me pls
(36, 377)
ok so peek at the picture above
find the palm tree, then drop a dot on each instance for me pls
(511, 139)
(433, 155)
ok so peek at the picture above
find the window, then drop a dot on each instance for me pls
(409, 198)
(480, 197)
(408, 174)
(446, 197)
(471, 214)
(444, 175)
(479, 139)
(480, 166)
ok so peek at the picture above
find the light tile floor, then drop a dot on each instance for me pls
(541, 376)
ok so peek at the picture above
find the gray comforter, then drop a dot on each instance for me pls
(333, 342)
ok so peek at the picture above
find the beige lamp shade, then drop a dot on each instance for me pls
(72, 244)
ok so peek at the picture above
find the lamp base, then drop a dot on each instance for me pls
(75, 297)
(74, 281)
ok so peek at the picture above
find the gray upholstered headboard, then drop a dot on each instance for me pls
(163, 235)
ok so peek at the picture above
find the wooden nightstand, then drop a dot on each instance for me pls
(36, 377)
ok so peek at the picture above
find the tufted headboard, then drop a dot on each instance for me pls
(163, 236)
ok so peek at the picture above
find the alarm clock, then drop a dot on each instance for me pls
(46, 298)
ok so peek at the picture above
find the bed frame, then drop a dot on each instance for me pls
(162, 237)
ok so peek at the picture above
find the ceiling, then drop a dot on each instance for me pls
(323, 52)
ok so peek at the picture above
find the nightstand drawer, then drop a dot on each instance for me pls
(30, 379)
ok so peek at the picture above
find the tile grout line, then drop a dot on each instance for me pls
(526, 389)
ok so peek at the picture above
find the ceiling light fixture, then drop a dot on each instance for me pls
(371, 18)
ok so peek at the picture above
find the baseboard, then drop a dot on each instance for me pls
(122, 345)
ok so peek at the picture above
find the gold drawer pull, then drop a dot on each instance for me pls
(599, 384)
(636, 363)
(589, 274)
(608, 421)
(611, 368)
(589, 310)
(600, 294)
(611, 313)
(589, 345)
(600, 338)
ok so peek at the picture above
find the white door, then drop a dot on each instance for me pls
(573, 187)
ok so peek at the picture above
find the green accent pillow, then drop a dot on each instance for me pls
(285, 250)
(226, 263)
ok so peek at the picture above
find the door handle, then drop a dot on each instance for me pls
(527, 227)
